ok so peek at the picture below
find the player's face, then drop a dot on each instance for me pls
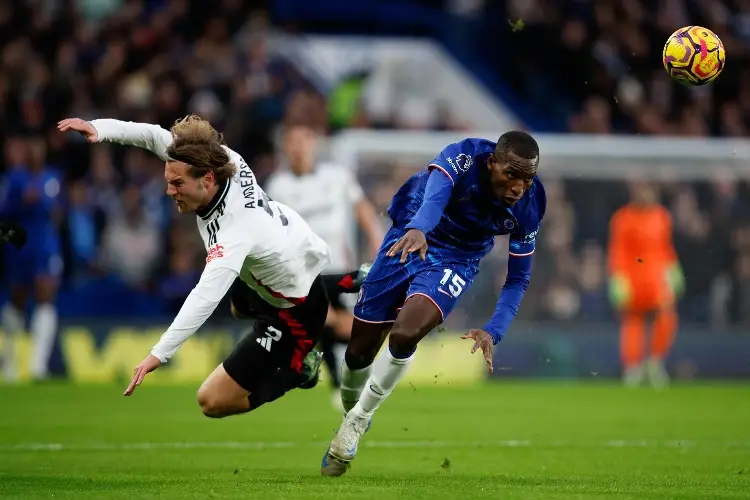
(189, 193)
(643, 194)
(300, 144)
(511, 176)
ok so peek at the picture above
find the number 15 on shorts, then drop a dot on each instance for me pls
(455, 283)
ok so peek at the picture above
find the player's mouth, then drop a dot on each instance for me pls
(510, 200)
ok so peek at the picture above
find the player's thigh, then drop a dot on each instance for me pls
(443, 284)
(384, 289)
(220, 389)
(259, 355)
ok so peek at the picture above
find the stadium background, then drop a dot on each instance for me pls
(574, 71)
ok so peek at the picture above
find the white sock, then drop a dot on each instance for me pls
(352, 383)
(386, 372)
(43, 330)
(12, 320)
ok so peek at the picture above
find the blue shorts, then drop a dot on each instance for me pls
(442, 277)
(25, 265)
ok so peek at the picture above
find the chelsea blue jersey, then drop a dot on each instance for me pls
(473, 215)
(35, 216)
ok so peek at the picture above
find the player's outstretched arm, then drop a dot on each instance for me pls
(516, 283)
(215, 282)
(437, 193)
(142, 135)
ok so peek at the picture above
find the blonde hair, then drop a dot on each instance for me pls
(196, 143)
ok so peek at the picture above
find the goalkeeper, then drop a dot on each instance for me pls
(645, 278)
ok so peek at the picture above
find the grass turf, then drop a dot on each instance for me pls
(511, 440)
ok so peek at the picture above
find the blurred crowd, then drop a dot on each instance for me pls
(596, 66)
(151, 61)
(126, 248)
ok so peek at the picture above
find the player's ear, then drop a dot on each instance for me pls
(491, 161)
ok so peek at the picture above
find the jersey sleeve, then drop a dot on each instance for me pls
(142, 135)
(523, 244)
(215, 282)
(455, 160)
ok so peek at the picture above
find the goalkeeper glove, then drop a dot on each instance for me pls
(619, 291)
(676, 279)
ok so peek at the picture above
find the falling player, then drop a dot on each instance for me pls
(262, 251)
(30, 197)
(330, 199)
(445, 219)
(645, 277)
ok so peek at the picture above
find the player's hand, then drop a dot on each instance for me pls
(482, 340)
(413, 241)
(81, 126)
(149, 364)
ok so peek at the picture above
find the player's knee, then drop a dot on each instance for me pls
(402, 341)
(211, 404)
(359, 355)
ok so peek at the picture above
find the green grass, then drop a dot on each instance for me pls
(532, 440)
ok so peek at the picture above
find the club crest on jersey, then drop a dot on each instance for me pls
(461, 163)
(215, 252)
(509, 224)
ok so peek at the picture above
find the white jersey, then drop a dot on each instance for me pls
(325, 198)
(267, 244)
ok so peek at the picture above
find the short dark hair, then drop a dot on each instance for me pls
(518, 143)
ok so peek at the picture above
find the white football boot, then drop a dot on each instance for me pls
(343, 447)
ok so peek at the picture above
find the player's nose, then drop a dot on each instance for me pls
(517, 188)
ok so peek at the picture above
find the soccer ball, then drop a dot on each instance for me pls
(694, 55)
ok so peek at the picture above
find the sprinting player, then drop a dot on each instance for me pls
(262, 251)
(445, 219)
(645, 277)
(330, 199)
(30, 197)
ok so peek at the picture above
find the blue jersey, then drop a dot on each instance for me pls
(473, 216)
(30, 199)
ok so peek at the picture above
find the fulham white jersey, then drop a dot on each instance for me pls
(325, 198)
(246, 234)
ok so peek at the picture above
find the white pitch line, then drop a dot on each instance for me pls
(257, 445)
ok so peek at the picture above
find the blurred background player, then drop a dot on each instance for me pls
(645, 278)
(330, 199)
(30, 196)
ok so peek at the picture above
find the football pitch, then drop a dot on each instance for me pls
(510, 440)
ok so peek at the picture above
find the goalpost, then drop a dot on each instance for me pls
(591, 156)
